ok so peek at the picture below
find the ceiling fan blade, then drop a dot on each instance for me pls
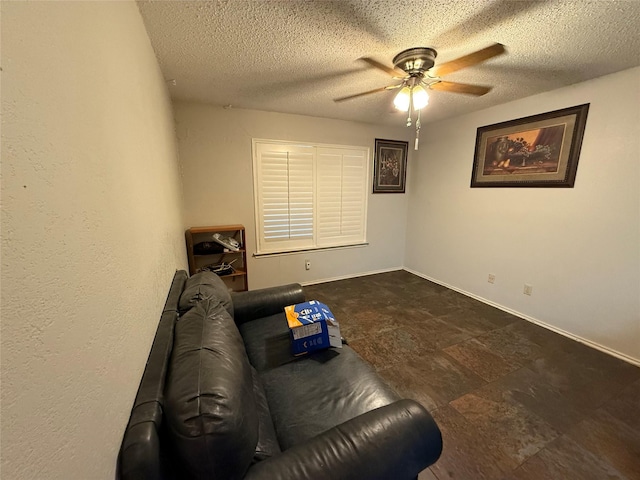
(362, 94)
(466, 88)
(380, 66)
(468, 60)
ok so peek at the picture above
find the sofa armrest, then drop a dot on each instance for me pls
(255, 304)
(396, 441)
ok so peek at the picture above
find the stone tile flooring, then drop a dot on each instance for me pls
(513, 400)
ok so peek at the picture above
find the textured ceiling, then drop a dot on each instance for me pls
(296, 56)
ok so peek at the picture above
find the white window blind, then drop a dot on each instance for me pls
(309, 196)
(341, 196)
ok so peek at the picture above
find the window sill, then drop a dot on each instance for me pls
(303, 250)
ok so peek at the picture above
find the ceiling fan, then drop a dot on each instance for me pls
(416, 67)
(417, 72)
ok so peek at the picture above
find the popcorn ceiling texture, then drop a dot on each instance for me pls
(91, 230)
(297, 56)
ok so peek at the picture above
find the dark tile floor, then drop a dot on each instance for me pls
(513, 400)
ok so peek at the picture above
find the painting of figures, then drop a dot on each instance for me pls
(536, 151)
(390, 167)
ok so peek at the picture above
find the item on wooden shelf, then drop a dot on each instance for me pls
(227, 242)
(220, 269)
(207, 248)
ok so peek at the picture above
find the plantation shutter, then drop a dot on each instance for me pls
(309, 196)
(285, 197)
(341, 196)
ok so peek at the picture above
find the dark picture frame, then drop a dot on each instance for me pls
(537, 151)
(390, 166)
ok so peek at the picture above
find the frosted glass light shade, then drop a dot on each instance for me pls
(403, 98)
(420, 97)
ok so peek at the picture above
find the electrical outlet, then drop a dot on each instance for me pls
(528, 289)
(492, 278)
(307, 264)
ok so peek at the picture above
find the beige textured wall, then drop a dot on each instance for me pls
(91, 230)
(578, 247)
(215, 154)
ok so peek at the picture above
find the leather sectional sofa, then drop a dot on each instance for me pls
(222, 397)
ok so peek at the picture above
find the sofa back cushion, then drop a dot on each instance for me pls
(205, 286)
(209, 400)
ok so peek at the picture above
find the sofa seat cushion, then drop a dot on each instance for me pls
(267, 342)
(209, 399)
(325, 389)
(205, 286)
(311, 394)
(267, 441)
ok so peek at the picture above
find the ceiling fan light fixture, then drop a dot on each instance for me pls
(403, 99)
(420, 97)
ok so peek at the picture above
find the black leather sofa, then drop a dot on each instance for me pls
(221, 397)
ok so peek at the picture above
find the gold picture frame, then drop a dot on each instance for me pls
(537, 151)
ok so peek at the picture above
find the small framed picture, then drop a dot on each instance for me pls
(390, 166)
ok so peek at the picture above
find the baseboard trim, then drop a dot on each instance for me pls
(352, 275)
(577, 338)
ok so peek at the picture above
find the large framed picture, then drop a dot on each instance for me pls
(390, 166)
(537, 151)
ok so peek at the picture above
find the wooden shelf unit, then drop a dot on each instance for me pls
(237, 281)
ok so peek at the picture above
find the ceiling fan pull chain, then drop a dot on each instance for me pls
(418, 124)
(409, 111)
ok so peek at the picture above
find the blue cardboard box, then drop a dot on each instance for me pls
(312, 327)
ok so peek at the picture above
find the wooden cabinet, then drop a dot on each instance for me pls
(203, 256)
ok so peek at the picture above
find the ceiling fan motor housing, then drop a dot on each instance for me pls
(415, 61)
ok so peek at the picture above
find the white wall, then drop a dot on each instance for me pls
(91, 230)
(215, 154)
(578, 247)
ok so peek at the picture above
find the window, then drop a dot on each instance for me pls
(309, 196)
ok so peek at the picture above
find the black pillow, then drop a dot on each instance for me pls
(210, 406)
(205, 286)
